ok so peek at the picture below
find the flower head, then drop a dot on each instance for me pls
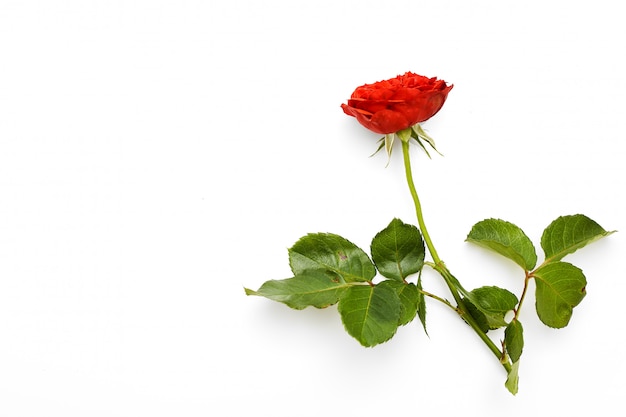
(392, 105)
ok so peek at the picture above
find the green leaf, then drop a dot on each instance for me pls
(370, 314)
(493, 303)
(408, 295)
(567, 234)
(512, 379)
(514, 340)
(477, 315)
(330, 252)
(421, 304)
(311, 288)
(560, 287)
(506, 239)
(398, 250)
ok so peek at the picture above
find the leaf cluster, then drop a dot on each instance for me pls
(559, 286)
(328, 269)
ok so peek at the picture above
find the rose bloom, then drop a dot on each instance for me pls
(396, 104)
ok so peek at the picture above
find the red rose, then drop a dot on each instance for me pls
(396, 104)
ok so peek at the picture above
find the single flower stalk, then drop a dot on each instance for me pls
(376, 294)
(395, 107)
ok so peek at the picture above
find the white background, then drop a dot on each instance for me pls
(156, 157)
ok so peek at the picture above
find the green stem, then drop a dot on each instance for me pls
(440, 267)
(441, 300)
(529, 275)
(416, 201)
(469, 319)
